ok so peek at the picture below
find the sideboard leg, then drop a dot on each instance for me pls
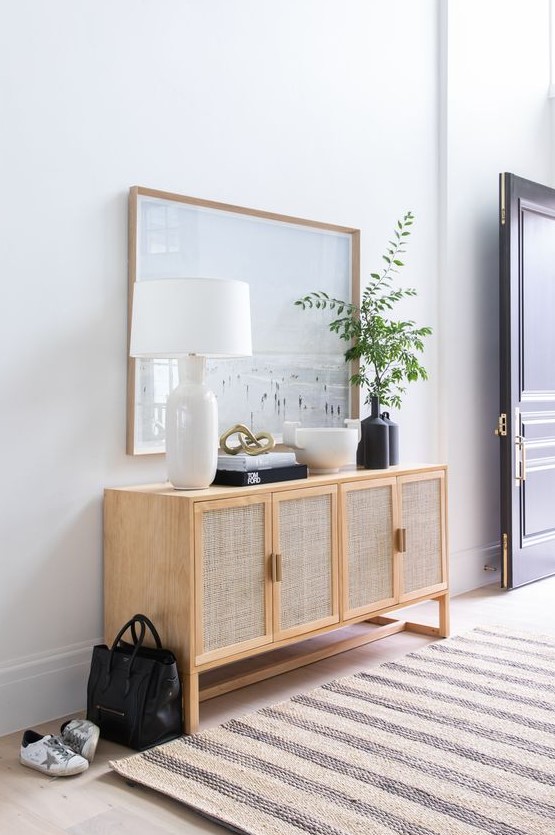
(444, 624)
(191, 702)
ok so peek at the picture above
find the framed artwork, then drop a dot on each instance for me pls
(297, 371)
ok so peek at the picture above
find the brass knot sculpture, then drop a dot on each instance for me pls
(248, 442)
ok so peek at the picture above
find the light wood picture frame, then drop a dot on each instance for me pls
(297, 371)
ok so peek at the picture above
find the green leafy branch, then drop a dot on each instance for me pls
(386, 350)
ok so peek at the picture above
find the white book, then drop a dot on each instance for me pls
(247, 463)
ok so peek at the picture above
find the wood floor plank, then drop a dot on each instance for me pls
(124, 821)
(16, 820)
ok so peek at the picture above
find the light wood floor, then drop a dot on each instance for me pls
(99, 802)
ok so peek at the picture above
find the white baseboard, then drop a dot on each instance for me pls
(44, 686)
(466, 568)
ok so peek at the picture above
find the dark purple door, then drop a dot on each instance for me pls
(527, 352)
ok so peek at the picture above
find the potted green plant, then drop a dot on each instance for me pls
(384, 349)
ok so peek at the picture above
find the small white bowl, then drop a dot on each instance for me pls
(323, 450)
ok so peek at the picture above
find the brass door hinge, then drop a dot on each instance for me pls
(501, 428)
(505, 554)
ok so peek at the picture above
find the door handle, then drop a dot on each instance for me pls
(520, 461)
(402, 540)
(520, 450)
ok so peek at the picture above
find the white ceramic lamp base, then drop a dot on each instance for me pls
(191, 428)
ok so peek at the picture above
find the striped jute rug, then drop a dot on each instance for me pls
(456, 738)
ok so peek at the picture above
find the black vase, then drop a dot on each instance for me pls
(393, 439)
(373, 449)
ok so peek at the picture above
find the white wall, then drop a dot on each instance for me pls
(312, 108)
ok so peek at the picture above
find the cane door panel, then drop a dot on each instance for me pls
(305, 587)
(369, 521)
(424, 542)
(232, 544)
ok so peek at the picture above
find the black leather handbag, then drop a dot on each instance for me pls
(134, 691)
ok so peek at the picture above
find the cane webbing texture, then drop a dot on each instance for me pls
(369, 520)
(421, 509)
(305, 533)
(233, 575)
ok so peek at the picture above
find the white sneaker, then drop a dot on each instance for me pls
(81, 736)
(49, 755)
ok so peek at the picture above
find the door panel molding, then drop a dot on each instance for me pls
(538, 395)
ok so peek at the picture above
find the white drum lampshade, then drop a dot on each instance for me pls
(191, 319)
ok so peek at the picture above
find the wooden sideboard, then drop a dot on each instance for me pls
(244, 583)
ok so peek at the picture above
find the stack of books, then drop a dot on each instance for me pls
(243, 470)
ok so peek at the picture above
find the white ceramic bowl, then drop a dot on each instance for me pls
(326, 450)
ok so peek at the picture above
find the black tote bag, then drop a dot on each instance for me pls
(134, 691)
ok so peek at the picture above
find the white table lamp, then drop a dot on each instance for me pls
(191, 319)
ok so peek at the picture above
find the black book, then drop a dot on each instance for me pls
(237, 478)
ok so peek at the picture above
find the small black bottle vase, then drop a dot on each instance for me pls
(393, 439)
(373, 449)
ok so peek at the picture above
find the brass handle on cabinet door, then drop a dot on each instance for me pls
(276, 568)
(402, 540)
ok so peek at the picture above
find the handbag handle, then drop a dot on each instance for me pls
(138, 642)
(147, 622)
(144, 622)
